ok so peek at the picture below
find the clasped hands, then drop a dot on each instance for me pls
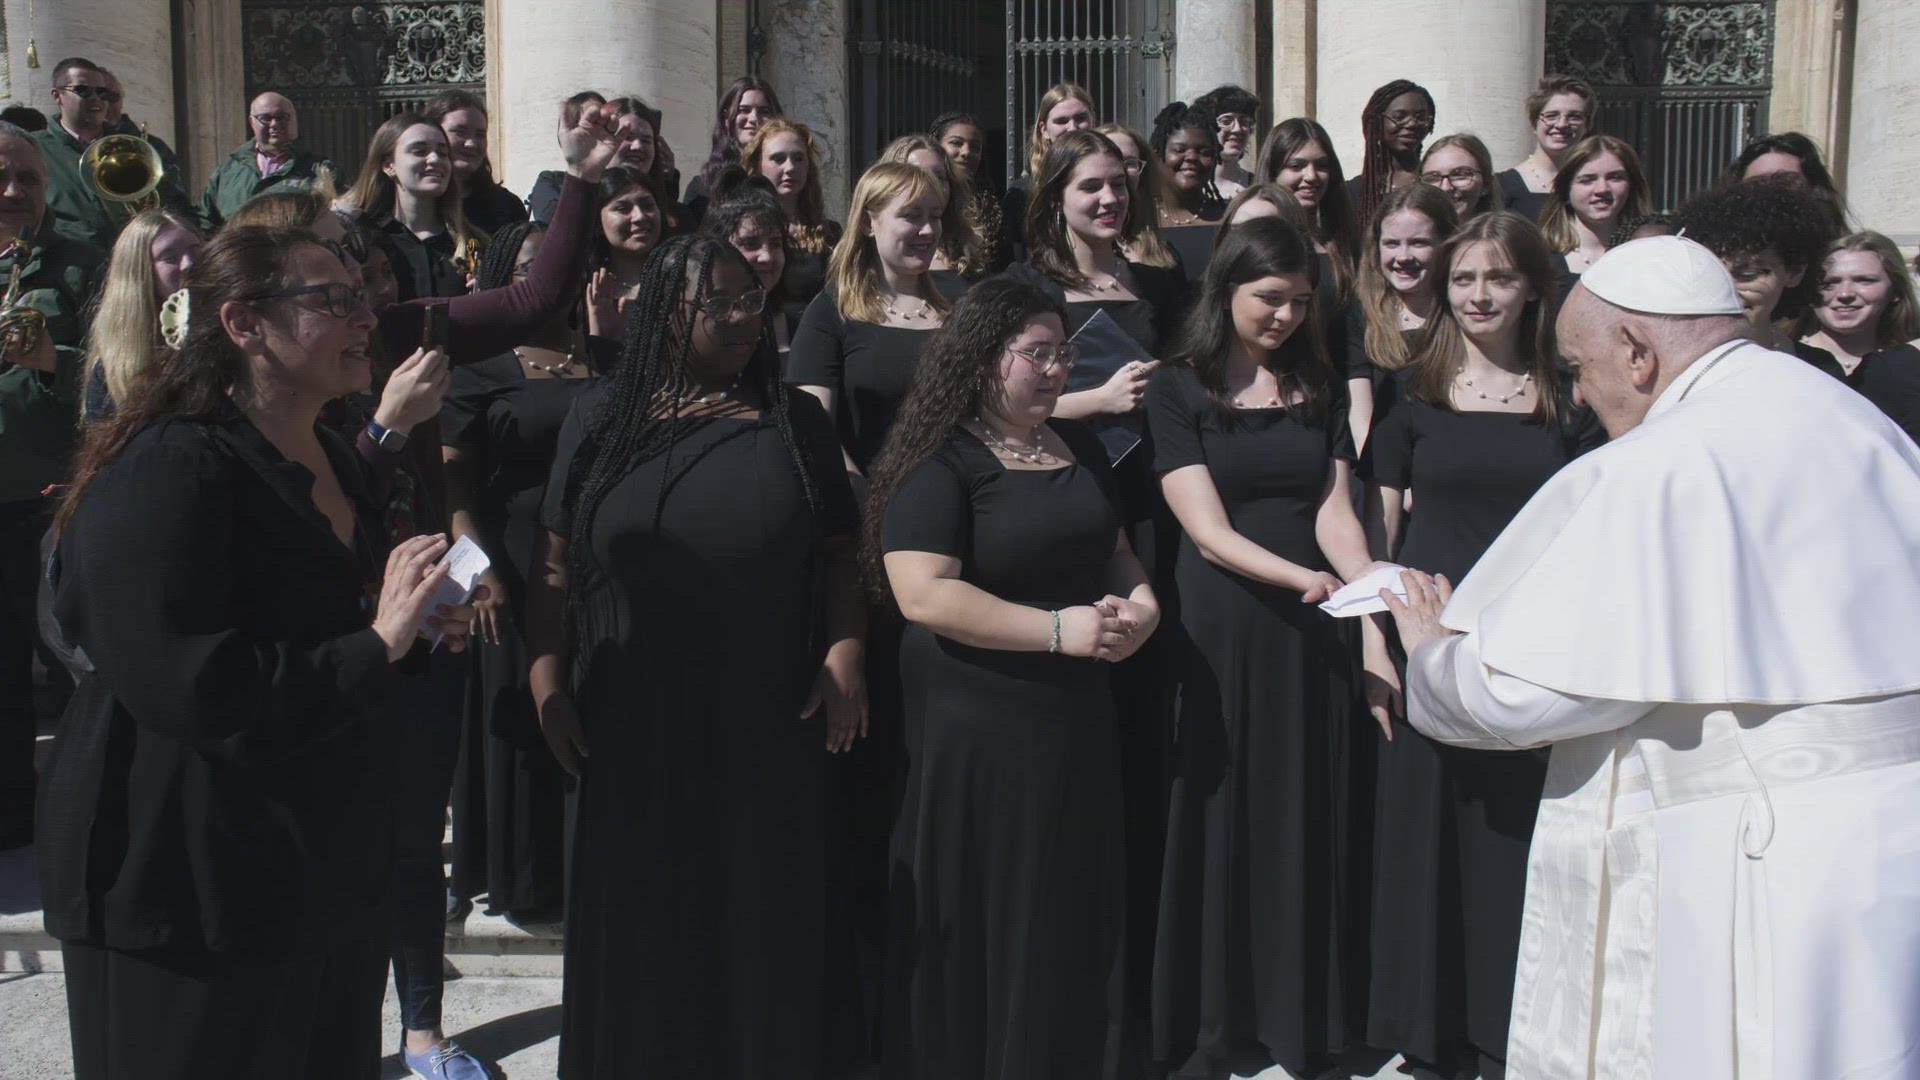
(1110, 629)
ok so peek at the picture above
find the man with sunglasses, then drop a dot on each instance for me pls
(87, 102)
(273, 160)
(39, 392)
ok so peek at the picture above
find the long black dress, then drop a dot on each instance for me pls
(1248, 964)
(1008, 905)
(1452, 825)
(509, 795)
(696, 930)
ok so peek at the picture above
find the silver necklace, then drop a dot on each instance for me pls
(1525, 381)
(1035, 456)
(559, 371)
(1112, 284)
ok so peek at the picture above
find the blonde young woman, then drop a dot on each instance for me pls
(787, 155)
(963, 254)
(1599, 185)
(150, 259)
(1866, 317)
(1065, 107)
(409, 196)
(1396, 295)
(1141, 240)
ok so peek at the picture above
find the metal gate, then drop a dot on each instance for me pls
(915, 59)
(1686, 83)
(1120, 50)
(349, 66)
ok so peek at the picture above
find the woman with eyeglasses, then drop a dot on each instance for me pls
(1234, 111)
(223, 567)
(1461, 166)
(1394, 123)
(1561, 111)
(1251, 449)
(746, 104)
(996, 529)
(746, 213)
(693, 623)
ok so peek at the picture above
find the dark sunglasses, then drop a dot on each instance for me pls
(88, 93)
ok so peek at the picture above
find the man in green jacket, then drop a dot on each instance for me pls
(83, 96)
(271, 161)
(40, 378)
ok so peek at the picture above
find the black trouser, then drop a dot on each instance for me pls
(424, 720)
(21, 526)
(190, 1014)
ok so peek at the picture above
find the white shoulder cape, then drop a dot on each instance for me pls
(1756, 539)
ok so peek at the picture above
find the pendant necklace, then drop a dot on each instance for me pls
(1035, 456)
(559, 371)
(1525, 381)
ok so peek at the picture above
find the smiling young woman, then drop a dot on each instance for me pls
(408, 193)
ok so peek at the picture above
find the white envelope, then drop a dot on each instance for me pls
(465, 563)
(1362, 597)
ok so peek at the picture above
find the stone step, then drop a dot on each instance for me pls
(484, 945)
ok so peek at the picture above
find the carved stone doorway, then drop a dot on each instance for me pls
(349, 66)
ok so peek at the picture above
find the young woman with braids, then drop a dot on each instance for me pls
(746, 104)
(1251, 449)
(997, 532)
(222, 852)
(1394, 123)
(1396, 295)
(1470, 427)
(1065, 107)
(697, 519)
(786, 154)
(499, 427)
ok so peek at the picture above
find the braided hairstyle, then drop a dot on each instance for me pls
(1176, 117)
(957, 376)
(1376, 169)
(503, 251)
(638, 419)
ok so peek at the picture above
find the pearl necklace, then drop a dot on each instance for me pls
(559, 371)
(1525, 381)
(925, 312)
(712, 397)
(1036, 456)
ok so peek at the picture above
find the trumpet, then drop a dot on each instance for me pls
(20, 325)
(124, 169)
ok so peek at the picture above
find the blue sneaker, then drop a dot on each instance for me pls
(445, 1062)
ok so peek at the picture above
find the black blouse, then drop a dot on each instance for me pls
(1513, 188)
(1890, 378)
(422, 267)
(868, 367)
(219, 781)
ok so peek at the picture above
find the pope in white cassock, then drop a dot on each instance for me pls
(1714, 621)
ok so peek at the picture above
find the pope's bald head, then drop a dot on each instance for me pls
(275, 124)
(1623, 360)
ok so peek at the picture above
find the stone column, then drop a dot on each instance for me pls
(806, 62)
(1883, 143)
(662, 50)
(134, 39)
(1213, 44)
(1292, 60)
(1479, 60)
(1809, 93)
(213, 108)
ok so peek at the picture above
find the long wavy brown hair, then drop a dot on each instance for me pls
(958, 374)
(1442, 348)
(1141, 233)
(1556, 221)
(1049, 240)
(1379, 305)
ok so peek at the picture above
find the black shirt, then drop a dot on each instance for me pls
(868, 367)
(1890, 378)
(1519, 199)
(492, 207)
(422, 267)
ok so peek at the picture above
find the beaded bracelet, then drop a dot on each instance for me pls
(1054, 645)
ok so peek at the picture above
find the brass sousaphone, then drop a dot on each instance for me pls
(125, 170)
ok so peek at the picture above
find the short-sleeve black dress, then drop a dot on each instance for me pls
(1452, 825)
(1249, 954)
(869, 368)
(1890, 378)
(696, 929)
(1008, 906)
(509, 794)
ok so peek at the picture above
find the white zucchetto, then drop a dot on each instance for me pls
(1663, 275)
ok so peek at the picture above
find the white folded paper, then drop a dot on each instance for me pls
(465, 563)
(1362, 597)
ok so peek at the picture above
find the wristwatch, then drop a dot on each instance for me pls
(386, 438)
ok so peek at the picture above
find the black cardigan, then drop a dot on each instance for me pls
(217, 782)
